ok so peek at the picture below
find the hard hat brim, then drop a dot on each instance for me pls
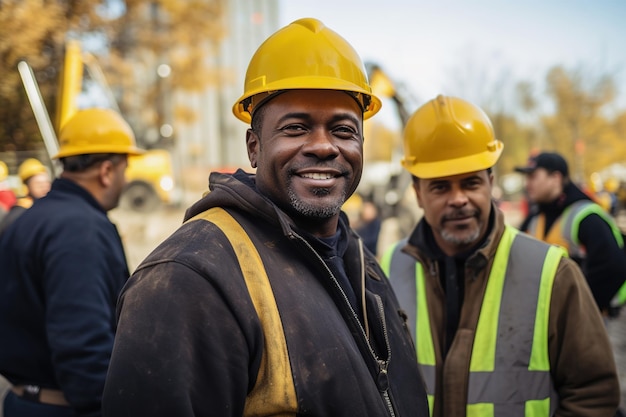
(73, 151)
(439, 169)
(310, 83)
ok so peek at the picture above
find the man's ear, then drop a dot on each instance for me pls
(105, 173)
(418, 194)
(252, 145)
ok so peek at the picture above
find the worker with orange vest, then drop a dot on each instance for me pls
(63, 267)
(504, 324)
(564, 215)
(36, 180)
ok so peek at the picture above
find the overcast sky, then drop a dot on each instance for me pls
(433, 46)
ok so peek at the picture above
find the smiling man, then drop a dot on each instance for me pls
(310, 159)
(505, 325)
(265, 302)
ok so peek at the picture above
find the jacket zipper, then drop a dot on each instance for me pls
(383, 365)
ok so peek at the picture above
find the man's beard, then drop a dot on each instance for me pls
(467, 237)
(461, 241)
(317, 211)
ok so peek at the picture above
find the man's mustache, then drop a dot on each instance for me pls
(460, 214)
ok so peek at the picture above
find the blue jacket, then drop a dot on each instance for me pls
(63, 266)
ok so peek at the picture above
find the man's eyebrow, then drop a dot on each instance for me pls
(307, 117)
(472, 177)
(438, 182)
(295, 115)
(344, 116)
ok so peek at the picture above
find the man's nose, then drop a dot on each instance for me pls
(321, 144)
(458, 197)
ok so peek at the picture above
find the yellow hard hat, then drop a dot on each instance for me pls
(4, 171)
(449, 136)
(611, 185)
(30, 167)
(96, 130)
(305, 55)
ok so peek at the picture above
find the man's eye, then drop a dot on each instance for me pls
(472, 184)
(293, 129)
(345, 132)
(438, 187)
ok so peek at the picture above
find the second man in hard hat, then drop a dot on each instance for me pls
(264, 302)
(63, 266)
(504, 325)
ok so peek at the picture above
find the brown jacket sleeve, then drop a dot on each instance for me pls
(581, 357)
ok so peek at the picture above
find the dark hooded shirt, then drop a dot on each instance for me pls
(189, 304)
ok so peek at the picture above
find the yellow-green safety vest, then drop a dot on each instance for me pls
(567, 226)
(509, 371)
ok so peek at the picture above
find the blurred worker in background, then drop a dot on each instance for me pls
(34, 175)
(564, 215)
(264, 302)
(36, 180)
(368, 225)
(63, 266)
(7, 196)
(606, 196)
(504, 324)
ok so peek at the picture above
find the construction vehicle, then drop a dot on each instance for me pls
(150, 177)
(149, 182)
(384, 181)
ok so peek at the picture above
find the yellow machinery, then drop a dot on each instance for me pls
(150, 176)
(150, 181)
(384, 181)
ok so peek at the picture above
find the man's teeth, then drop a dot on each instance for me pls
(317, 176)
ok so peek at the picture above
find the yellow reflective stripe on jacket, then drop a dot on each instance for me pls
(274, 389)
(539, 358)
(424, 344)
(410, 285)
(487, 326)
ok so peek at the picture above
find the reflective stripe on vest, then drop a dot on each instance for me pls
(509, 368)
(564, 232)
(575, 214)
(408, 281)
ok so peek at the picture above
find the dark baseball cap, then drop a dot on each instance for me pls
(550, 161)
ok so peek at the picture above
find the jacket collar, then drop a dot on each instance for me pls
(65, 185)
